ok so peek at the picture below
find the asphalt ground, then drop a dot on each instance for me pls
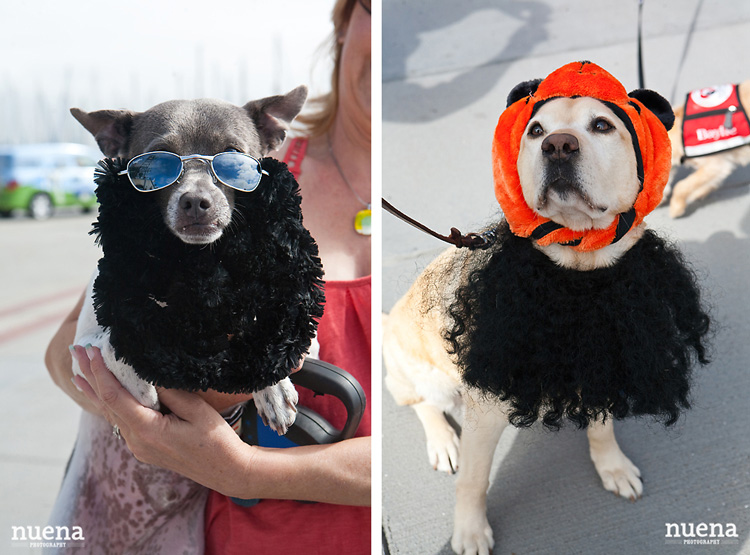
(447, 69)
(45, 268)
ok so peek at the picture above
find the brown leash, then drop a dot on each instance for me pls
(471, 240)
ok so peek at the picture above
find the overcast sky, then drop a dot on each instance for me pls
(134, 54)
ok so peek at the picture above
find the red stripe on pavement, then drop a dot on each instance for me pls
(40, 301)
(33, 326)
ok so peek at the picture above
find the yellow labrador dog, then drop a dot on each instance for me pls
(709, 172)
(539, 329)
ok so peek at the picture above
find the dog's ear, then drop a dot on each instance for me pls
(657, 104)
(274, 114)
(110, 128)
(522, 90)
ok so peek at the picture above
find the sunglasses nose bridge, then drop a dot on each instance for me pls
(206, 162)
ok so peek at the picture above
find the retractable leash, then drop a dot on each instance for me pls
(309, 427)
(471, 240)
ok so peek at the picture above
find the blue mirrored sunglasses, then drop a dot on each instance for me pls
(152, 171)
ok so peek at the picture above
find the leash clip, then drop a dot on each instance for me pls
(473, 241)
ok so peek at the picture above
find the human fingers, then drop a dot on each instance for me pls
(76, 391)
(85, 388)
(187, 406)
(88, 385)
(114, 397)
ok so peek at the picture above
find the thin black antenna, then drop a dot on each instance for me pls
(685, 49)
(641, 84)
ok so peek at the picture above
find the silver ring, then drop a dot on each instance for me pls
(116, 431)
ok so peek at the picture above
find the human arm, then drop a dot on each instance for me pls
(194, 440)
(59, 361)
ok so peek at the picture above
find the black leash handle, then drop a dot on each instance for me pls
(471, 240)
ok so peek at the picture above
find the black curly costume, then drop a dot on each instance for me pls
(239, 313)
(559, 343)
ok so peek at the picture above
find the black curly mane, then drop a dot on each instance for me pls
(558, 343)
(236, 315)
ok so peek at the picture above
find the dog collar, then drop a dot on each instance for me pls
(647, 117)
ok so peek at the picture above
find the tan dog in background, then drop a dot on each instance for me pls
(709, 172)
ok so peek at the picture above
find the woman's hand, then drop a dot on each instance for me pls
(193, 440)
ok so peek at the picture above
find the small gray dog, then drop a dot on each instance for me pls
(121, 504)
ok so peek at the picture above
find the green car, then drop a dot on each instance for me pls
(38, 178)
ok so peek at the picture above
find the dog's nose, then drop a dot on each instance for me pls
(195, 204)
(559, 146)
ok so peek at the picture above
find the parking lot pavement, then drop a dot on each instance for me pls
(447, 71)
(45, 268)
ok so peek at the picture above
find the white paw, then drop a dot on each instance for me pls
(144, 392)
(442, 448)
(472, 534)
(314, 351)
(277, 405)
(618, 473)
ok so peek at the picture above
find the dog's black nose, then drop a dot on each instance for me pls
(195, 204)
(559, 146)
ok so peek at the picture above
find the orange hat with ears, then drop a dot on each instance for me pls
(647, 116)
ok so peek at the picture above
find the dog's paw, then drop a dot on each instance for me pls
(314, 351)
(277, 405)
(144, 392)
(677, 207)
(618, 473)
(472, 534)
(442, 448)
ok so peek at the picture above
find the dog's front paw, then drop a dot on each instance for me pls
(314, 351)
(677, 207)
(618, 473)
(442, 448)
(144, 392)
(472, 534)
(277, 405)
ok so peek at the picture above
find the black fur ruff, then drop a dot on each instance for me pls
(559, 343)
(239, 313)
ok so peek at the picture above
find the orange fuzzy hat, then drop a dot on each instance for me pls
(646, 115)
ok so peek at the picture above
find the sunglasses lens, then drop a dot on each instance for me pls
(237, 170)
(154, 170)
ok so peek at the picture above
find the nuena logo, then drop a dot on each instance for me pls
(47, 536)
(703, 532)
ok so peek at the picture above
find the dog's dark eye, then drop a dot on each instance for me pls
(601, 125)
(536, 130)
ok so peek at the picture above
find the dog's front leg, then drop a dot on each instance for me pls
(619, 475)
(707, 178)
(483, 425)
(277, 405)
(89, 332)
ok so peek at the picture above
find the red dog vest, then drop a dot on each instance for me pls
(715, 120)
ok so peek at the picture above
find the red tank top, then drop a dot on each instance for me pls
(288, 527)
